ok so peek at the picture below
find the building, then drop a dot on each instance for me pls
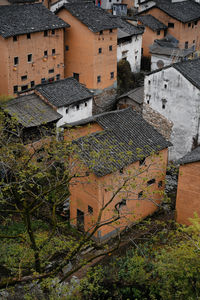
(31, 46)
(113, 149)
(154, 29)
(69, 98)
(166, 51)
(133, 98)
(182, 19)
(90, 45)
(129, 43)
(188, 192)
(174, 92)
(119, 9)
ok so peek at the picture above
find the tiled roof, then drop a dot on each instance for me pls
(125, 133)
(136, 95)
(127, 29)
(64, 92)
(31, 111)
(193, 156)
(94, 17)
(21, 19)
(151, 22)
(22, 1)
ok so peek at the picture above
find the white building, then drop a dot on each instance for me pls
(129, 44)
(69, 98)
(174, 92)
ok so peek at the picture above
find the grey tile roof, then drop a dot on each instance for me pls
(31, 111)
(22, 1)
(136, 95)
(125, 132)
(193, 156)
(126, 29)
(21, 19)
(151, 22)
(64, 92)
(95, 18)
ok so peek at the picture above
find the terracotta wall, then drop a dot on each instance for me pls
(38, 68)
(130, 3)
(79, 131)
(83, 57)
(188, 193)
(180, 31)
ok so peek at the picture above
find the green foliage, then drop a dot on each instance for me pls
(125, 78)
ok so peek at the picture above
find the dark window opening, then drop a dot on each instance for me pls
(163, 106)
(16, 60)
(149, 82)
(99, 78)
(51, 79)
(53, 31)
(90, 210)
(58, 77)
(111, 30)
(46, 33)
(148, 101)
(140, 194)
(189, 24)
(165, 86)
(53, 51)
(45, 53)
(111, 75)
(66, 47)
(195, 22)
(100, 50)
(151, 181)
(28, 36)
(160, 183)
(170, 25)
(32, 83)
(80, 220)
(43, 80)
(24, 87)
(158, 32)
(186, 45)
(77, 106)
(110, 48)
(51, 71)
(85, 104)
(76, 76)
(101, 32)
(29, 57)
(15, 38)
(15, 89)
(67, 110)
(24, 77)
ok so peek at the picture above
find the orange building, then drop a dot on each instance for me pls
(188, 193)
(182, 19)
(31, 47)
(154, 29)
(90, 45)
(122, 180)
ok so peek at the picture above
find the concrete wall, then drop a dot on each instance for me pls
(188, 193)
(83, 56)
(131, 51)
(38, 68)
(166, 60)
(182, 107)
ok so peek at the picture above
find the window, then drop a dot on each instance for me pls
(66, 48)
(77, 106)
(32, 83)
(45, 53)
(101, 32)
(53, 31)
(189, 24)
(51, 71)
(90, 210)
(53, 51)
(85, 104)
(170, 25)
(67, 110)
(28, 36)
(99, 78)
(151, 181)
(193, 41)
(29, 57)
(15, 38)
(76, 76)
(100, 50)
(149, 82)
(158, 32)
(43, 80)
(160, 183)
(165, 86)
(15, 89)
(186, 45)
(135, 57)
(51, 79)
(111, 75)
(142, 161)
(16, 60)
(110, 30)
(110, 48)
(24, 87)
(23, 77)
(57, 76)
(163, 106)
(195, 22)
(46, 33)
(140, 194)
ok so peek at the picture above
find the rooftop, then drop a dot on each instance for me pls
(136, 95)
(94, 17)
(125, 134)
(64, 92)
(193, 156)
(31, 111)
(126, 29)
(151, 22)
(22, 19)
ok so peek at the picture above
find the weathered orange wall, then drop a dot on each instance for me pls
(38, 68)
(188, 193)
(79, 131)
(83, 57)
(130, 3)
(180, 31)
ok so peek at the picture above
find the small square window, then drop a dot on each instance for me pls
(186, 45)
(58, 77)
(15, 38)
(77, 106)
(28, 36)
(32, 83)
(24, 88)
(29, 57)
(85, 104)
(163, 106)
(111, 75)
(140, 194)
(149, 82)
(76, 76)
(170, 25)
(189, 24)
(193, 41)
(43, 80)
(110, 48)
(24, 77)
(66, 48)
(99, 78)
(51, 71)
(46, 33)
(100, 50)
(66, 110)
(16, 60)
(15, 89)
(51, 79)
(195, 22)
(158, 32)
(90, 210)
(53, 51)
(165, 86)
(101, 32)
(45, 53)
(111, 30)
(53, 31)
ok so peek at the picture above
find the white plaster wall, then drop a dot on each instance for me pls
(167, 60)
(75, 114)
(182, 107)
(106, 4)
(133, 52)
(57, 5)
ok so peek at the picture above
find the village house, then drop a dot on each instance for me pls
(90, 45)
(174, 92)
(31, 46)
(188, 191)
(154, 29)
(114, 148)
(69, 98)
(129, 43)
(133, 98)
(182, 19)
